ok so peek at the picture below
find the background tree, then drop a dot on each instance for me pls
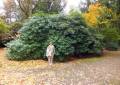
(10, 10)
(47, 6)
(115, 6)
(25, 7)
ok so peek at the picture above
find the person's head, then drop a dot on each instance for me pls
(50, 43)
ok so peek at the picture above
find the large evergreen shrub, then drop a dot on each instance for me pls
(69, 34)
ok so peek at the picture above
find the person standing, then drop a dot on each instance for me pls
(50, 52)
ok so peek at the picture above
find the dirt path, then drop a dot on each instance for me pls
(91, 71)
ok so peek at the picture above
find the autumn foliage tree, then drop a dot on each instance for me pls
(97, 14)
(105, 21)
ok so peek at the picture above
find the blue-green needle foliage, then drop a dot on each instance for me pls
(69, 34)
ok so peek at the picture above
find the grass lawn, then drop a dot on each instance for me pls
(102, 70)
(5, 63)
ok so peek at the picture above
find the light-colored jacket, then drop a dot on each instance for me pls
(50, 50)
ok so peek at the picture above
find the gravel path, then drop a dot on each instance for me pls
(96, 71)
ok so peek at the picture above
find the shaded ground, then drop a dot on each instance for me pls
(90, 71)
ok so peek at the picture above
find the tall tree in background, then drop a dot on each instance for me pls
(47, 6)
(22, 9)
(113, 4)
(25, 7)
(10, 10)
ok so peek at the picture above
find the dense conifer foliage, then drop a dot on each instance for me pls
(69, 34)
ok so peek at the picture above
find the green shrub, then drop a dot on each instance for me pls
(112, 46)
(3, 27)
(40, 13)
(20, 51)
(16, 26)
(69, 34)
(111, 38)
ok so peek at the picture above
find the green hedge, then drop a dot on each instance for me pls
(69, 34)
(111, 38)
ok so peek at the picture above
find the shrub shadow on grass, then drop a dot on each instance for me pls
(69, 58)
(83, 56)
